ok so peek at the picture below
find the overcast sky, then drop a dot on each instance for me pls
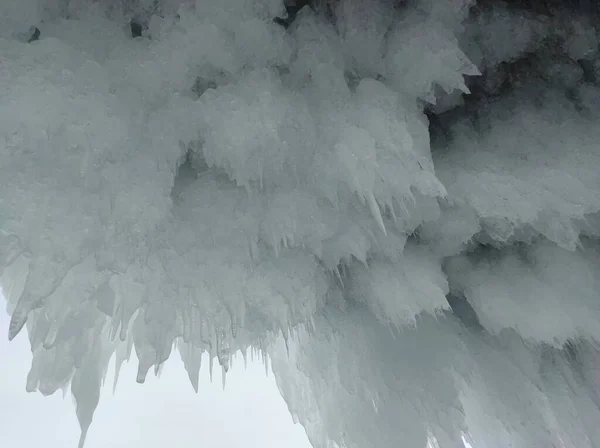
(164, 412)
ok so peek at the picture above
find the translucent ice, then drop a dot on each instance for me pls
(399, 201)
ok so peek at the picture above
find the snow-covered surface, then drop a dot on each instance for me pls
(399, 200)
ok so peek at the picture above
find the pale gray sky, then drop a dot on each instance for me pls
(164, 412)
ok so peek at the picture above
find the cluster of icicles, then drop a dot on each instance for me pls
(399, 202)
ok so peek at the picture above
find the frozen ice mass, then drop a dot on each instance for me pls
(397, 201)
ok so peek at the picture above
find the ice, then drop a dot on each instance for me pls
(362, 27)
(398, 292)
(398, 201)
(386, 384)
(422, 55)
(18, 16)
(527, 291)
(501, 34)
(434, 381)
(526, 169)
(192, 359)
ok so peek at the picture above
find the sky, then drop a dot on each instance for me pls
(164, 412)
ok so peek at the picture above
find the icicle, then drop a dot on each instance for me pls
(375, 407)
(285, 335)
(187, 327)
(339, 276)
(141, 373)
(50, 338)
(194, 376)
(245, 356)
(119, 361)
(392, 211)
(123, 332)
(222, 349)
(205, 335)
(114, 329)
(192, 361)
(234, 325)
(188, 317)
(43, 278)
(19, 316)
(210, 366)
(85, 388)
(126, 321)
(32, 380)
(266, 361)
(82, 437)
(223, 376)
(144, 364)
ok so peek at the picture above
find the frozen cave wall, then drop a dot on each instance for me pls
(399, 201)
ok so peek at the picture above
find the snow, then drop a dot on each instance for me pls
(400, 201)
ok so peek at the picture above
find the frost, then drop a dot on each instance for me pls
(398, 292)
(421, 56)
(545, 293)
(526, 170)
(398, 201)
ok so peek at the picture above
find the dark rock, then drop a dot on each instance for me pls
(292, 7)
(136, 29)
(34, 34)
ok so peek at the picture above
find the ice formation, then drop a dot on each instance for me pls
(398, 201)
